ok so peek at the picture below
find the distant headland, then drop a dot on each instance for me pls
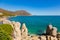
(4, 12)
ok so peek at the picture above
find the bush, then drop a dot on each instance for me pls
(5, 32)
(7, 28)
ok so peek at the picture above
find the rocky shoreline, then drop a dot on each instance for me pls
(22, 34)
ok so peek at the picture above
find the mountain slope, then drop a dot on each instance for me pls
(11, 13)
(22, 12)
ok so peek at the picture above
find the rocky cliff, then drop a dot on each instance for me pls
(22, 34)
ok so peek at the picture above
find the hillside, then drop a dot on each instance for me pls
(11, 13)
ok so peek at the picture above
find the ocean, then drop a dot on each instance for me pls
(37, 24)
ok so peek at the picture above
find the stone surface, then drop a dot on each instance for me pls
(24, 31)
(22, 34)
(49, 29)
(17, 31)
(42, 37)
(34, 38)
(53, 38)
(54, 32)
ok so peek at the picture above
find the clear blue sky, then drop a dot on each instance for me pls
(35, 7)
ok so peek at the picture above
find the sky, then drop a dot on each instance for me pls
(34, 7)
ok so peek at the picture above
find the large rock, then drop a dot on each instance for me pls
(16, 29)
(17, 32)
(24, 31)
(49, 29)
(54, 31)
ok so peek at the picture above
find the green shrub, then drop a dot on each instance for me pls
(7, 28)
(5, 32)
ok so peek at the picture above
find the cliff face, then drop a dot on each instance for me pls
(22, 34)
(16, 29)
(11, 13)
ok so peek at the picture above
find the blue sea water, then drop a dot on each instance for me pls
(37, 24)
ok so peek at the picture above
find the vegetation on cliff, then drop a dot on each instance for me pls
(5, 32)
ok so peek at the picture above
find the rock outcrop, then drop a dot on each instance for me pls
(49, 29)
(22, 33)
(17, 31)
(54, 31)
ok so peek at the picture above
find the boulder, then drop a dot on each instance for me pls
(49, 29)
(54, 31)
(24, 31)
(17, 31)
